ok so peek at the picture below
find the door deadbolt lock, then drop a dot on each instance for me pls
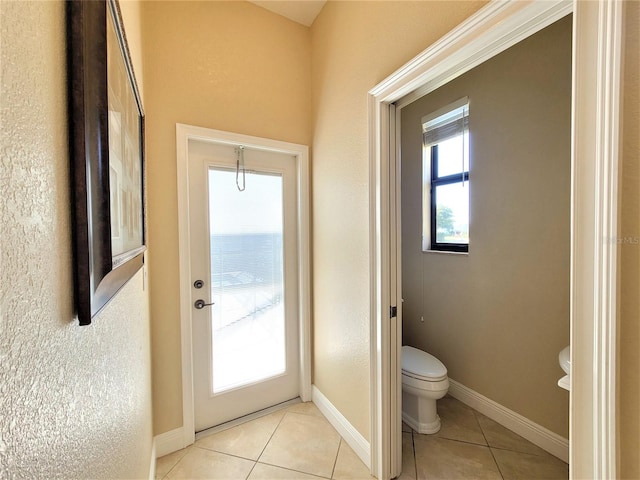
(198, 284)
(200, 304)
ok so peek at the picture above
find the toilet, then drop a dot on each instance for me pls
(424, 380)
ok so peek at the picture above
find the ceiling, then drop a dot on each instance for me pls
(301, 11)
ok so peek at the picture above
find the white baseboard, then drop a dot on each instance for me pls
(538, 435)
(348, 432)
(169, 442)
(152, 464)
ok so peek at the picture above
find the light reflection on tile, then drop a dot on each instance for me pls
(305, 443)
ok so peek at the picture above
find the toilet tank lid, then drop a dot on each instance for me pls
(421, 363)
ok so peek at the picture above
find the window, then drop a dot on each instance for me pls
(446, 178)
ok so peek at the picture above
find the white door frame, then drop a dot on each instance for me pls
(597, 47)
(184, 133)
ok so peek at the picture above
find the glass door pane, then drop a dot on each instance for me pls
(247, 279)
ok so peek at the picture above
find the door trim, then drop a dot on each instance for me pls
(184, 133)
(597, 45)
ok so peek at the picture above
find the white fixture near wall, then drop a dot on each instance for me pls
(564, 358)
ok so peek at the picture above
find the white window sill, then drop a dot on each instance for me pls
(445, 252)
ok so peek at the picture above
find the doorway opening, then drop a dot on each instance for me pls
(485, 218)
(596, 83)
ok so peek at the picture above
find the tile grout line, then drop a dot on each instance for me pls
(519, 452)
(286, 468)
(541, 457)
(255, 462)
(488, 445)
(335, 462)
(251, 471)
(271, 437)
(463, 441)
(224, 453)
(290, 469)
(175, 465)
(496, 462)
(257, 415)
(544, 453)
(293, 470)
(415, 460)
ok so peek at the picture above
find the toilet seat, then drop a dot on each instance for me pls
(422, 366)
(423, 379)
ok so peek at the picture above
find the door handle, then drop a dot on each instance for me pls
(200, 304)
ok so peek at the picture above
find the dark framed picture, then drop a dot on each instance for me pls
(106, 134)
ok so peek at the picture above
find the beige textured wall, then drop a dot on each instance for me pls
(498, 317)
(354, 46)
(230, 66)
(75, 402)
(629, 334)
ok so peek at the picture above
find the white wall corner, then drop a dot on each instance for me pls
(347, 431)
(537, 434)
(169, 442)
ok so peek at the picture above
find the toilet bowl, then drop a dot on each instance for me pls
(424, 380)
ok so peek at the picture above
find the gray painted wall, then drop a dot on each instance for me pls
(498, 317)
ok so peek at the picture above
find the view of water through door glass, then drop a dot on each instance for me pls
(247, 278)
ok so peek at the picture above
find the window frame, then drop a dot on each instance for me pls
(437, 127)
(436, 181)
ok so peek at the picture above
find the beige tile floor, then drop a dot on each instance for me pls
(299, 443)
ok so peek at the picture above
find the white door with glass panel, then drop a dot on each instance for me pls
(242, 216)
